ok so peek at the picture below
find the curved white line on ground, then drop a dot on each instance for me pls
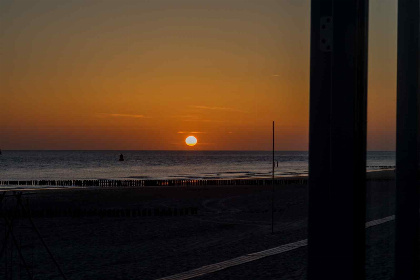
(380, 221)
(255, 256)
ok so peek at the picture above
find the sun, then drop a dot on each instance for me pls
(191, 141)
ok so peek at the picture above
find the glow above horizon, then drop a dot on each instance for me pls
(134, 74)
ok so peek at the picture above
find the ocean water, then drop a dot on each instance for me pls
(55, 165)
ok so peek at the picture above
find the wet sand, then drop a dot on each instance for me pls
(231, 221)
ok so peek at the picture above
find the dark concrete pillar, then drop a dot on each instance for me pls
(337, 141)
(407, 261)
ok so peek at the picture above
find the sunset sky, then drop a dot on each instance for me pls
(144, 75)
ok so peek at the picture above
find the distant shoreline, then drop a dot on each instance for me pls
(161, 165)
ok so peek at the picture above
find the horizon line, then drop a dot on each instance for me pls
(184, 150)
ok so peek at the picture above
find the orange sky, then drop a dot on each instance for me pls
(146, 74)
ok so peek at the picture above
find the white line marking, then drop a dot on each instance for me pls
(380, 221)
(236, 261)
(207, 269)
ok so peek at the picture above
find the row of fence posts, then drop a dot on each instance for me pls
(77, 212)
(142, 183)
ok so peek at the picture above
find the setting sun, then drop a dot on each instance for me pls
(191, 141)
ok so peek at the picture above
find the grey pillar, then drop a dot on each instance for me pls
(337, 141)
(407, 261)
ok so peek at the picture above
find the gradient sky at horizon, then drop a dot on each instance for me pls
(144, 75)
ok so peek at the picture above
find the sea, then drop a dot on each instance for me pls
(71, 165)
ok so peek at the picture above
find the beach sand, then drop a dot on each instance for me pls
(231, 221)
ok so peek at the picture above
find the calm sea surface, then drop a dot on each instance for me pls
(36, 165)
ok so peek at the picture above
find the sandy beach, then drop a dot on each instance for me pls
(229, 221)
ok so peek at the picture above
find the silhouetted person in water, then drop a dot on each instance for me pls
(121, 157)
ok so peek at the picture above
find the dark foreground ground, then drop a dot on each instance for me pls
(230, 222)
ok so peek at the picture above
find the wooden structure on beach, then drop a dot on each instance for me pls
(152, 183)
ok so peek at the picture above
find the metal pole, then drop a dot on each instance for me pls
(337, 139)
(272, 190)
(407, 217)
